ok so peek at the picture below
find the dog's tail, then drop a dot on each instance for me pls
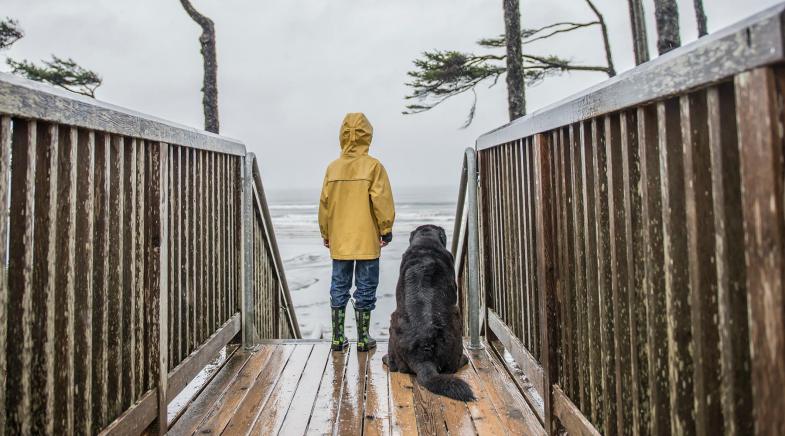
(443, 384)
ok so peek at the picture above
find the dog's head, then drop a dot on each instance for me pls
(429, 231)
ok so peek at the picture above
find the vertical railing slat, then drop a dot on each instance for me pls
(65, 276)
(43, 352)
(100, 282)
(5, 193)
(702, 272)
(116, 266)
(602, 234)
(759, 113)
(633, 223)
(736, 393)
(83, 283)
(130, 273)
(20, 277)
(140, 228)
(546, 272)
(675, 261)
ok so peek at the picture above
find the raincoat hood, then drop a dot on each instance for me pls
(356, 134)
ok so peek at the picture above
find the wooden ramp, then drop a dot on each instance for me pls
(298, 387)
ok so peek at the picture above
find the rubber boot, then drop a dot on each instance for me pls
(339, 342)
(364, 340)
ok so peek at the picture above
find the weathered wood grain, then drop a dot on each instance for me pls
(570, 416)
(115, 281)
(5, 193)
(545, 270)
(759, 93)
(736, 392)
(100, 283)
(377, 394)
(83, 283)
(636, 297)
(64, 281)
(701, 247)
(677, 286)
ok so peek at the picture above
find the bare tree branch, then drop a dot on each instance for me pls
(210, 81)
(606, 41)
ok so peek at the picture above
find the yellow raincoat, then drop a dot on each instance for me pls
(356, 206)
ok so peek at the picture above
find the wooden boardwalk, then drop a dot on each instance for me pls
(300, 387)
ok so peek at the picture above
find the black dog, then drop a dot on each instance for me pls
(425, 329)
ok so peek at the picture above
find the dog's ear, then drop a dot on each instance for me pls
(443, 236)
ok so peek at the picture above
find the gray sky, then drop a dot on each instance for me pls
(290, 69)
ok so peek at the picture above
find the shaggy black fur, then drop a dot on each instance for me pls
(425, 329)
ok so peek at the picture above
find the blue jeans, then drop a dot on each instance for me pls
(366, 279)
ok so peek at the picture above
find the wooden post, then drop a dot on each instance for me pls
(761, 155)
(546, 274)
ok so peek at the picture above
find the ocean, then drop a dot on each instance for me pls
(308, 265)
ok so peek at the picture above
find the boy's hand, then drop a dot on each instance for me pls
(326, 243)
(385, 239)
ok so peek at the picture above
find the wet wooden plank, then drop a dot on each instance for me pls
(513, 410)
(428, 410)
(5, 194)
(457, 418)
(269, 390)
(570, 416)
(736, 391)
(377, 394)
(403, 419)
(296, 421)
(293, 378)
(20, 276)
(65, 281)
(483, 413)
(223, 410)
(327, 403)
(654, 278)
(701, 247)
(206, 401)
(83, 283)
(350, 416)
(677, 290)
(759, 93)
(136, 419)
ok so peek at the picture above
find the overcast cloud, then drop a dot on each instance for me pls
(290, 69)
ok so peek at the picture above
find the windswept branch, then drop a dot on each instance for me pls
(63, 73)
(10, 32)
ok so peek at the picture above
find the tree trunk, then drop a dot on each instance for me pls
(700, 17)
(640, 41)
(516, 86)
(210, 84)
(666, 13)
(606, 42)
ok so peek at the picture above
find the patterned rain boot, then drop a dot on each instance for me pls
(364, 341)
(340, 342)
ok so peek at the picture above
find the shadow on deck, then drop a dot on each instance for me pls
(300, 387)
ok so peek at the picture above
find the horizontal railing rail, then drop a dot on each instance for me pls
(632, 243)
(122, 248)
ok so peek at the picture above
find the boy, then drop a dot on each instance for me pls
(356, 214)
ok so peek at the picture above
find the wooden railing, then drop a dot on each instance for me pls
(124, 262)
(632, 243)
